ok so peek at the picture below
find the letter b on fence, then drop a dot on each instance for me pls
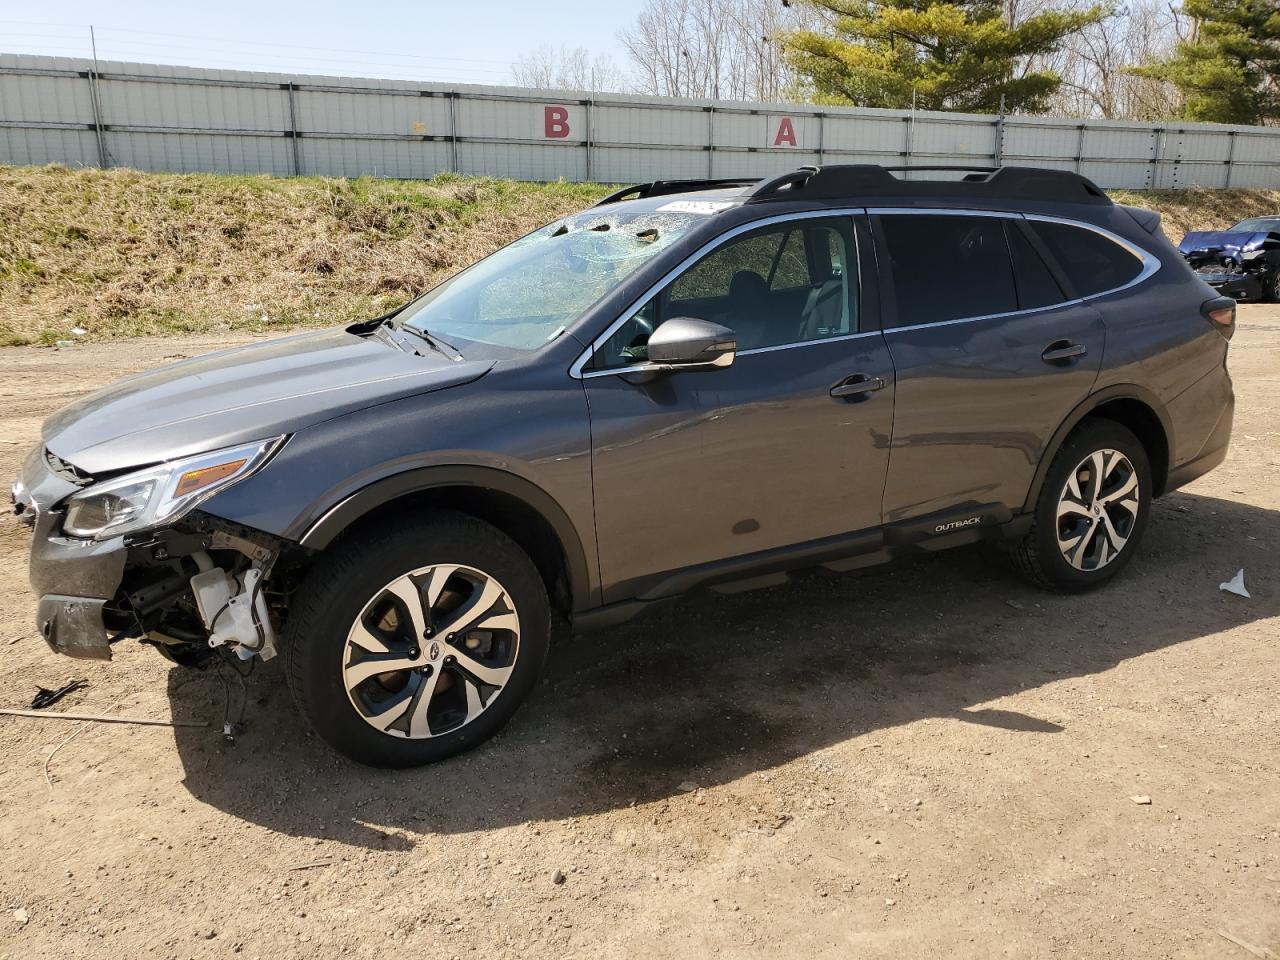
(555, 123)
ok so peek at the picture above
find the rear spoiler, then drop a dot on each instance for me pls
(1148, 220)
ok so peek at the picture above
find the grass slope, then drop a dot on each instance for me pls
(122, 253)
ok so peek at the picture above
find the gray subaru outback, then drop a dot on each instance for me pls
(691, 384)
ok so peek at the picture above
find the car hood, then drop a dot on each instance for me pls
(242, 394)
(1220, 242)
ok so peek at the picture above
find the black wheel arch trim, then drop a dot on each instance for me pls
(1124, 391)
(381, 492)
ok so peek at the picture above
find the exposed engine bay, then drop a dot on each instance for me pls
(198, 589)
(1243, 264)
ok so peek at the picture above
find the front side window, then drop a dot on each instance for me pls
(1092, 263)
(948, 267)
(528, 292)
(786, 284)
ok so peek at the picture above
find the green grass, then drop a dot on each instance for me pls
(121, 253)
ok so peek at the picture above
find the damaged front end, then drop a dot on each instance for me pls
(197, 587)
(1237, 264)
(129, 555)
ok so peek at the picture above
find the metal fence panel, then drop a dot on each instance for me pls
(162, 103)
(401, 159)
(648, 125)
(55, 109)
(45, 99)
(629, 165)
(199, 152)
(875, 135)
(77, 148)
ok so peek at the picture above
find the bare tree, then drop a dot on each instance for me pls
(1094, 63)
(549, 68)
(723, 49)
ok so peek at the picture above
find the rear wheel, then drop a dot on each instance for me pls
(417, 641)
(1092, 511)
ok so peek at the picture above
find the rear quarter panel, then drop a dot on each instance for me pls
(1157, 339)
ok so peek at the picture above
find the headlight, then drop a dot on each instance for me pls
(160, 494)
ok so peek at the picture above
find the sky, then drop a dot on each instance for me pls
(462, 42)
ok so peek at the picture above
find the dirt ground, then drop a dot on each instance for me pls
(925, 760)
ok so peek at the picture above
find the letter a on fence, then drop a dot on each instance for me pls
(786, 134)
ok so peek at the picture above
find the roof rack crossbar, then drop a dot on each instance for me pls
(662, 188)
(958, 168)
(872, 180)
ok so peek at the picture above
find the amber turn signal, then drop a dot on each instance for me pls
(194, 480)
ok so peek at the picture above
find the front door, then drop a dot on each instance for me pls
(702, 466)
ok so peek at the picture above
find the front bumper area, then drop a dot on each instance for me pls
(73, 626)
(1239, 286)
(73, 579)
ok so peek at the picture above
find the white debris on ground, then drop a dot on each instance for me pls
(1236, 585)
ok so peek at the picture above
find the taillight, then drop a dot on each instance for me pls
(1221, 312)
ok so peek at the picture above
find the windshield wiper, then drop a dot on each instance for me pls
(383, 332)
(433, 341)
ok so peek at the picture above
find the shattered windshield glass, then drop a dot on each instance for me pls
(527, 293)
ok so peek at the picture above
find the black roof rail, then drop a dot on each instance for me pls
(662, 188)
(850, 180)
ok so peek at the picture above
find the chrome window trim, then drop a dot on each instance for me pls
(986, 316)
(613, 371)
(1150, 264)
(576, 370)
(805, 343)
(943, 212)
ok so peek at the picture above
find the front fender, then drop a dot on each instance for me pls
(343, 514)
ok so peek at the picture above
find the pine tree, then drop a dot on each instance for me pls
(1230, 71)
(958, 55)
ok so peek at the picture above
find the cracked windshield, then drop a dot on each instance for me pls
(527, 293)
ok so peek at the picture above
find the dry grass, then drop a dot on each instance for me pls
(122, 253)
(1182, 211)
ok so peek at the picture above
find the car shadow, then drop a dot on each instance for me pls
(713, 688)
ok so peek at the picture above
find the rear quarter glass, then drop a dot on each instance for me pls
(1092, 263)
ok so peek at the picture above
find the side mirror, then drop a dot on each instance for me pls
(684, 343)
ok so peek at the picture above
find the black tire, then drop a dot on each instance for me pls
(1039, 556)
(1271, 292)
(357, 571)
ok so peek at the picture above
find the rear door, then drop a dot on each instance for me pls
(704, 466)
(991, 355)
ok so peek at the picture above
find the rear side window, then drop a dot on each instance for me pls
(948, 267)
(1091, 262)
(1036, 286)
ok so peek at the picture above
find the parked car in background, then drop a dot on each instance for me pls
(691, 384)
(1242, 262)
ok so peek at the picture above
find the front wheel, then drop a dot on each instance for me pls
(1092, 510)
(417, 640)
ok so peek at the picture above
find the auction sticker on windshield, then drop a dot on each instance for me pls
(707, 207)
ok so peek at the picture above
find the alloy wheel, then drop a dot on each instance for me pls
(431, 651)
(1098, 510)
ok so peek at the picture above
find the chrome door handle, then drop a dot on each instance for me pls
(1061, 351)
(856, 385)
